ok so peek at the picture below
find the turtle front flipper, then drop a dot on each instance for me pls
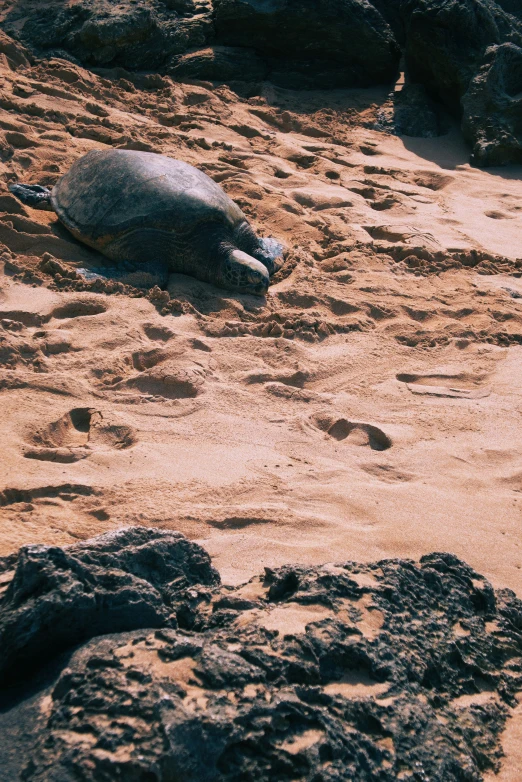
(244, 274)
(268, 251)
(36, 196)
(143, 274)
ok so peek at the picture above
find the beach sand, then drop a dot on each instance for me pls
(369, 408)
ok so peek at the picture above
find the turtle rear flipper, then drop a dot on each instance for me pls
(36, 196)
(144, 274)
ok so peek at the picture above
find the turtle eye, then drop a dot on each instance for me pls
(254, 277)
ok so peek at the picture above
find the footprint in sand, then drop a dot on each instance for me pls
(387, 473)
(169, 381)
(79, 309)
(158, 333)
(296, 378)
(495, 214)
(406, 234)
(432, 180)
(66, 491)
(460, 385)
(75, 435)
(159, 373)
(165, 375)
(237, 522)
(353, 432)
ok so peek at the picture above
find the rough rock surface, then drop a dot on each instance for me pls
(220, 63)
(334, 672)
(465, 53)
(306, 44)
(492, 119)
(512, 7)
(446, 42)
(338, 43)
(346, 42)
(411, 112)
(107, 32)
(56, 597)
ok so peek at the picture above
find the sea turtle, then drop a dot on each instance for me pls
(154, 215)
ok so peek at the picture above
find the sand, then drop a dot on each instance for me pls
(369, 408)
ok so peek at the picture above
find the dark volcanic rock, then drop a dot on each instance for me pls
(308, 43)
(58, 597)
(492, 108)
(298, 42)
(135, 35)
(382, 671)
(411, 112)
(512, 7)
(220, 63)
(464, 52)
(390, 10)
(446, 42)
(415, 114)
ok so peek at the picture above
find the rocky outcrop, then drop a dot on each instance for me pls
(409, 111)
(334, 672)
(446, 42)
(220, 63)
(301, 43)
(306, 44)
(511, 7)
(465, 54)
(492, 108)
(56, 597)
(137, 36)
(339, 43)
(391, 12)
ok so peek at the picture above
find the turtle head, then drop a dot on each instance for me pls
(245, 274)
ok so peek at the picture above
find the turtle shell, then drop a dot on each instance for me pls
(108, 194)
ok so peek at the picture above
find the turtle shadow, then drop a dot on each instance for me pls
(208, 299)
(72, 251)
(98, 274)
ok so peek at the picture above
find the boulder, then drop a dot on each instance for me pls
(304, 42)
(411, 112)
(385, 670)
(220, 63)
(456, 50)
(58, 596)
(446, 42)
(133, 35)
(513, 7)
(390, 10)
(492, 108)
(308, 43)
